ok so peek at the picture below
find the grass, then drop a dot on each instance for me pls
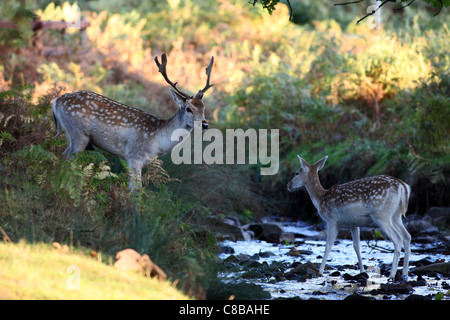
(38, 271)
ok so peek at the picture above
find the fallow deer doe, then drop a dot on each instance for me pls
(381, 200)
(134, 135)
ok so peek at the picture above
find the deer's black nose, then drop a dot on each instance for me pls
(204, 125)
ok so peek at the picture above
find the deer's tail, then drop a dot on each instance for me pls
(404, 199)
(55, 118)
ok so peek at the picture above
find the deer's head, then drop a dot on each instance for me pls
(306, 172)
(192, 108)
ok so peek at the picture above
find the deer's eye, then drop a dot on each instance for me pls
(188, 109)
(296, 173)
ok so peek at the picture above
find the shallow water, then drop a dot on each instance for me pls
(342, 254)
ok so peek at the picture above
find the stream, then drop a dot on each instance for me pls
(288, 270)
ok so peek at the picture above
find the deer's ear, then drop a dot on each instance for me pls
(319, 164)
(179, 99)
(303, 163)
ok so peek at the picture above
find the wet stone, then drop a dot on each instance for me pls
(295, 252)
(419, 282)
(232, 259)
(250, 264)
(357, 297)
(303, 271)
(360, 279)
(266, 254)
(226, 249)
(417, 297)
(441, 268)
(252, 274)
(421, 262)
(395, 288)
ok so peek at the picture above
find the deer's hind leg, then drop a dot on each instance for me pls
(77, 143)
(406, 239)
(386, 225)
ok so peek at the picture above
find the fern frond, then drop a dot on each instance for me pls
(156, 174)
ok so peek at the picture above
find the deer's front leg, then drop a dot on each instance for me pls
(135, 174)
(355, 237)
(331, 236)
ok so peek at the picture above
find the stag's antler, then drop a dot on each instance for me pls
(163, 71)
(199, 94)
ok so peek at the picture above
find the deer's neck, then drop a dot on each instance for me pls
(168, 129)
(315, 190)
(177, 122)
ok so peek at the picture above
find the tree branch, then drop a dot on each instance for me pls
(374, 11)
(441, 5)
(345, 3)
(269, 5)
(441, 2)
(410, 3)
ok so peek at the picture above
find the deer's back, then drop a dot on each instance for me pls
(110, 125)
(89, 109)
(362, 198)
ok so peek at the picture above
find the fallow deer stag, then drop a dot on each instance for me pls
(381, 200)
(134, 135)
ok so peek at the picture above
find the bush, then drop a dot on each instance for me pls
(431, 105)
